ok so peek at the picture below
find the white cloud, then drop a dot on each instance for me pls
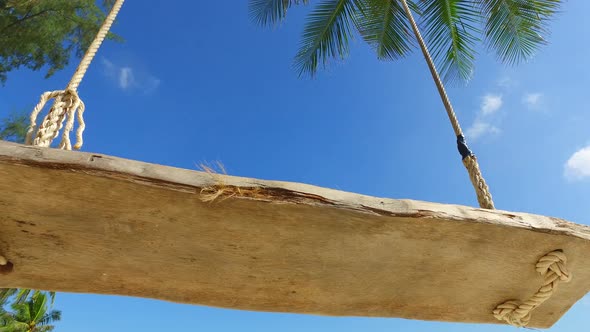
(483, 123)
(578, 165)
(532, 100)
(490, 104)
(129, 78)
(126, 78)
(480, 128)
(108, 65)
(506, 82)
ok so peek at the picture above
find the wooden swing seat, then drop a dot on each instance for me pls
(88, 223)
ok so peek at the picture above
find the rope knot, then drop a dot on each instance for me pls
(508, 311)
(553, 270)
(552, 266)
(67, 104)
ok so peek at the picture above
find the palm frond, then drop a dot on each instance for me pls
(23, 295)
(50, 317)
(6, 293)
(326, 35)
(515, 29)
(450, 31)
(36, 293)
(52, 297)
(270, 12)
(38, 304)
(5, 317)
(15, 327)
(21, 311)
(384, 25)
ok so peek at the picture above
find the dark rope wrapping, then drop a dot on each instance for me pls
(463, 148)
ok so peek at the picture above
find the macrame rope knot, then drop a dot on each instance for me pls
(66, 106)
(552, 267)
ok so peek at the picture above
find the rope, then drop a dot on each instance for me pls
(67, 104)
(553, 269)
(469, 161)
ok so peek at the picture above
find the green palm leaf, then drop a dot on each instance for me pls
(38, 306)
(5, 294)
(15, 327)
(21, 295)
(450, 29)
(326, 34)
(50, 317)
(270, 12)
(384, 26)
(515, 29)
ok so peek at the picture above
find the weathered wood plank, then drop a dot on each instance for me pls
(81, 222)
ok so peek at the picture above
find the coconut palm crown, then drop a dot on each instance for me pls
(513, 29)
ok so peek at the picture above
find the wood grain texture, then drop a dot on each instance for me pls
(82, 222)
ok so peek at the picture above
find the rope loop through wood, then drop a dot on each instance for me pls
(553, 269)
(67, 103)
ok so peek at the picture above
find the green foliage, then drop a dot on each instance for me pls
(14, 128)
(385, 27)
(270, 12)
(451, 29)
(513, 29)
(326, 34)
(32, 315)
(20, 295)
(39, 33)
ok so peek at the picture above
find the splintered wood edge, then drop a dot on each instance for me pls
(193, 181)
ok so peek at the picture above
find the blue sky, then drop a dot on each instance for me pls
(197, 82)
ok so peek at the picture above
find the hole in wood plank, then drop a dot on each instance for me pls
(6, 268)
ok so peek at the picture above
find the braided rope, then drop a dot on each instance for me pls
(553, 269)
(67, 104)
(479, 184)
(484, 197)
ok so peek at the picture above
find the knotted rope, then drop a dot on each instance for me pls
(553, 269)
(469, 161)
(67, 103)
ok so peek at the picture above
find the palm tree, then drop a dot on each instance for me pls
(31, 316)
(514, 29)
